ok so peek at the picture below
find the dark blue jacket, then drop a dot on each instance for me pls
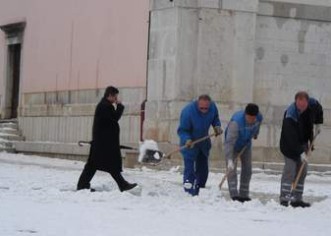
(246, 132)
(194, 124)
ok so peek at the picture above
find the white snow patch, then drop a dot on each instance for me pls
(38, 198)
(148, 144)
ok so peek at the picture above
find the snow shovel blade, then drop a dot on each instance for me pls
(152, 157)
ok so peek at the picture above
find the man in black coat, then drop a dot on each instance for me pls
(297, 132)
(105, 153)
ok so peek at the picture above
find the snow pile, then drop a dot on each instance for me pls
(146, 145)
(38, 198)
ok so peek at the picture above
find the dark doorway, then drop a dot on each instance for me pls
(14, 41)
(14, 65)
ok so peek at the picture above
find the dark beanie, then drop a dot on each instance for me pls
(252, 109)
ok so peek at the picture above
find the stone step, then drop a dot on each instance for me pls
(10, 131)
(6, 144)
(8, 121)
(11, 137)
(9, 125)
(9, 150)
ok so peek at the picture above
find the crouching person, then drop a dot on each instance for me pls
(297, 133)
(243, 126)
(195, 121)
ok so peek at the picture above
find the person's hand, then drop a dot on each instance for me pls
(217, 130)
(118, 101)
(230, 165)
(189, 143)
(317, 129)
(255, 136)
(303, 157)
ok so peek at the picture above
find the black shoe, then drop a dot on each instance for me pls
(236, 198)
(300, 204)
(241, 199)
(245, 199)
(284, 203)
(128, 186)
(84, 188)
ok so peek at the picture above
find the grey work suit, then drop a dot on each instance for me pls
(290, 172)
(246, 164)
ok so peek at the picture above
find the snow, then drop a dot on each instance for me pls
(147, 144)
(37, 197)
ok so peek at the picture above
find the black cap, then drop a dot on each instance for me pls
(252, 109)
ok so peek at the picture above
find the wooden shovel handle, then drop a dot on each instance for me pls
(184, 146)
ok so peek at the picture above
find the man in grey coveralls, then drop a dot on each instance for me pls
(244, 125)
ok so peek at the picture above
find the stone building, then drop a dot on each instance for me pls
(166, 52)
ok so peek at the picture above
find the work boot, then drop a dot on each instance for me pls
(244, 199)
(128, 186)
(284, 203)
(191, 188)
(300, 204)
(236, 198)
(241, 199)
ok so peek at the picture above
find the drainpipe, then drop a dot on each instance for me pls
(143, 104)
(142, 119)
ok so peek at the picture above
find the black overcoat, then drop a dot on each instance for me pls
(105, 153)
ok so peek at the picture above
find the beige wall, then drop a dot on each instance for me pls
(79, 44)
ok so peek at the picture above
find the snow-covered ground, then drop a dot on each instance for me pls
(37, 197)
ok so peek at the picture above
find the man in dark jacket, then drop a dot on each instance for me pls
(105, 153)
(297, 133)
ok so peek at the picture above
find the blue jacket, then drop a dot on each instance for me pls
(246, 132)
(194, 124)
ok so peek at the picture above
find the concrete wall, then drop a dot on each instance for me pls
(293, 48)
(67, 116)
(238, 52)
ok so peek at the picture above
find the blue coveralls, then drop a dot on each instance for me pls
(194, 125)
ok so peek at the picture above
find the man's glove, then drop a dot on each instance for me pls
(303, 157)
(189, 143)
(230, 165)
(217, 130)
(317, 129)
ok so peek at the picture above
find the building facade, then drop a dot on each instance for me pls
(166, 52)
(58, 56)
(239, 51)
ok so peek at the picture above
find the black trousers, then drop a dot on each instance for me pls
(88, 173)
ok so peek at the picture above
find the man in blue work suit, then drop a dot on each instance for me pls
(195, 121)
(243, 126)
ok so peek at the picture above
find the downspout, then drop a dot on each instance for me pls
(143, 104)
(142, 119)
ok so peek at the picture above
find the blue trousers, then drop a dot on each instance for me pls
(195, 173)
